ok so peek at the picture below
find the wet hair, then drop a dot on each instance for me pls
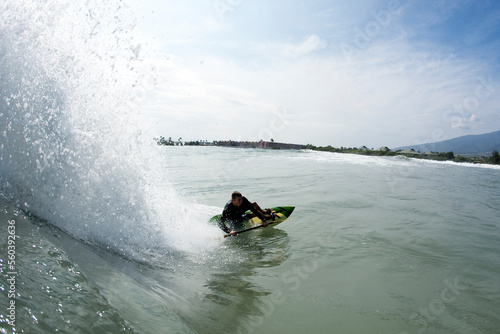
(235, 194)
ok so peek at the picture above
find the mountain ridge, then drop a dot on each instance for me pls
(482, 144)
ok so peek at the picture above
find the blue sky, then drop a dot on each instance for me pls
(337, 73)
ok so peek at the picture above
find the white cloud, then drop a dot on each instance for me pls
(390, 93)
(311, 44)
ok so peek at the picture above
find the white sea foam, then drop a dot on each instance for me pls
(357, 159)
(75, 149)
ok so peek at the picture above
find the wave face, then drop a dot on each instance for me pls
(74, 150)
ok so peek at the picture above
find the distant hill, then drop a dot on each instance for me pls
(476, 145)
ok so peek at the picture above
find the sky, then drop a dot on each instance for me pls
(341, 73)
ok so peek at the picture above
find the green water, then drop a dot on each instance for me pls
(375, 245)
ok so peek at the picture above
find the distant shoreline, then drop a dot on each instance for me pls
(410, 153)
(383, 151)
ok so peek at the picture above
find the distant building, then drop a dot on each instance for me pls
(275, 145)
(364, 148)
(409, 151)
(384, 149)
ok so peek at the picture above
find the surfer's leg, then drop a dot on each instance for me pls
(267, 213)
(258, 208)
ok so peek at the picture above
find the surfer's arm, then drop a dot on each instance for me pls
(226, 222)
(226, 229)
(223, 226)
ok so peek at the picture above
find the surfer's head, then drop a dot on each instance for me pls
(237, 198)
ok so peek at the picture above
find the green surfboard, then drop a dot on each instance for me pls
(282, 214)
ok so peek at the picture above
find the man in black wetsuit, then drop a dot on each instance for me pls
(234, 213)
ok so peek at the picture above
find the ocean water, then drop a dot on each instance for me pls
(375, 245)
(103, 231)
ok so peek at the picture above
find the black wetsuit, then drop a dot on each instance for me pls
(234, 215)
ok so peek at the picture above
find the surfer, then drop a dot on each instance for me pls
(234, 213)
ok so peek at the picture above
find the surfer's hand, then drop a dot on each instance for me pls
(233, 233)
(265, 223)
